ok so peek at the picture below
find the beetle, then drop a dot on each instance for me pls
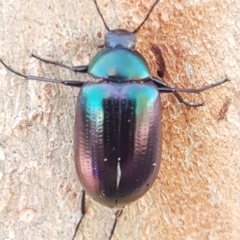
(117, 140)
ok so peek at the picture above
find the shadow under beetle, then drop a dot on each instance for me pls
(118, 121)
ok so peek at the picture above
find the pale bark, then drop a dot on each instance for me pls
(197, 193)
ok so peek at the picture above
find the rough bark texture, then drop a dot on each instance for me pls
(197, 193)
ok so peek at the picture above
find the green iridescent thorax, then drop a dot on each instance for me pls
(119, 64)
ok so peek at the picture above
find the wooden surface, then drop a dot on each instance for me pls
(196, 195)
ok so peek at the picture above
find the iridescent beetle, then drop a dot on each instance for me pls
(118, 121)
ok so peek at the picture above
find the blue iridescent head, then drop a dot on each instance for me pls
(120, 38)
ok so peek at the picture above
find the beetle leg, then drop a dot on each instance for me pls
(163, 87)
(82, 212)
(117, 214)
(180, 99)
(29, 77)
(82, 69)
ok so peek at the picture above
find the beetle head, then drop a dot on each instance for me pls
(120, 38)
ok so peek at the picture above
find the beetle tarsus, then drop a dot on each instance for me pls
(12, 70)
(198, 90)
(180, 99)
(117, 215)
(82, 212)
(43, 79)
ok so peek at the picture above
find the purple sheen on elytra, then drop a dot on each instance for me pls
(117, 131)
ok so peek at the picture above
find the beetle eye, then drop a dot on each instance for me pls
(120, 38)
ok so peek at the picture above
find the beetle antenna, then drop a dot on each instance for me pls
(99, 12)
(147, 16)
(136, 30)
